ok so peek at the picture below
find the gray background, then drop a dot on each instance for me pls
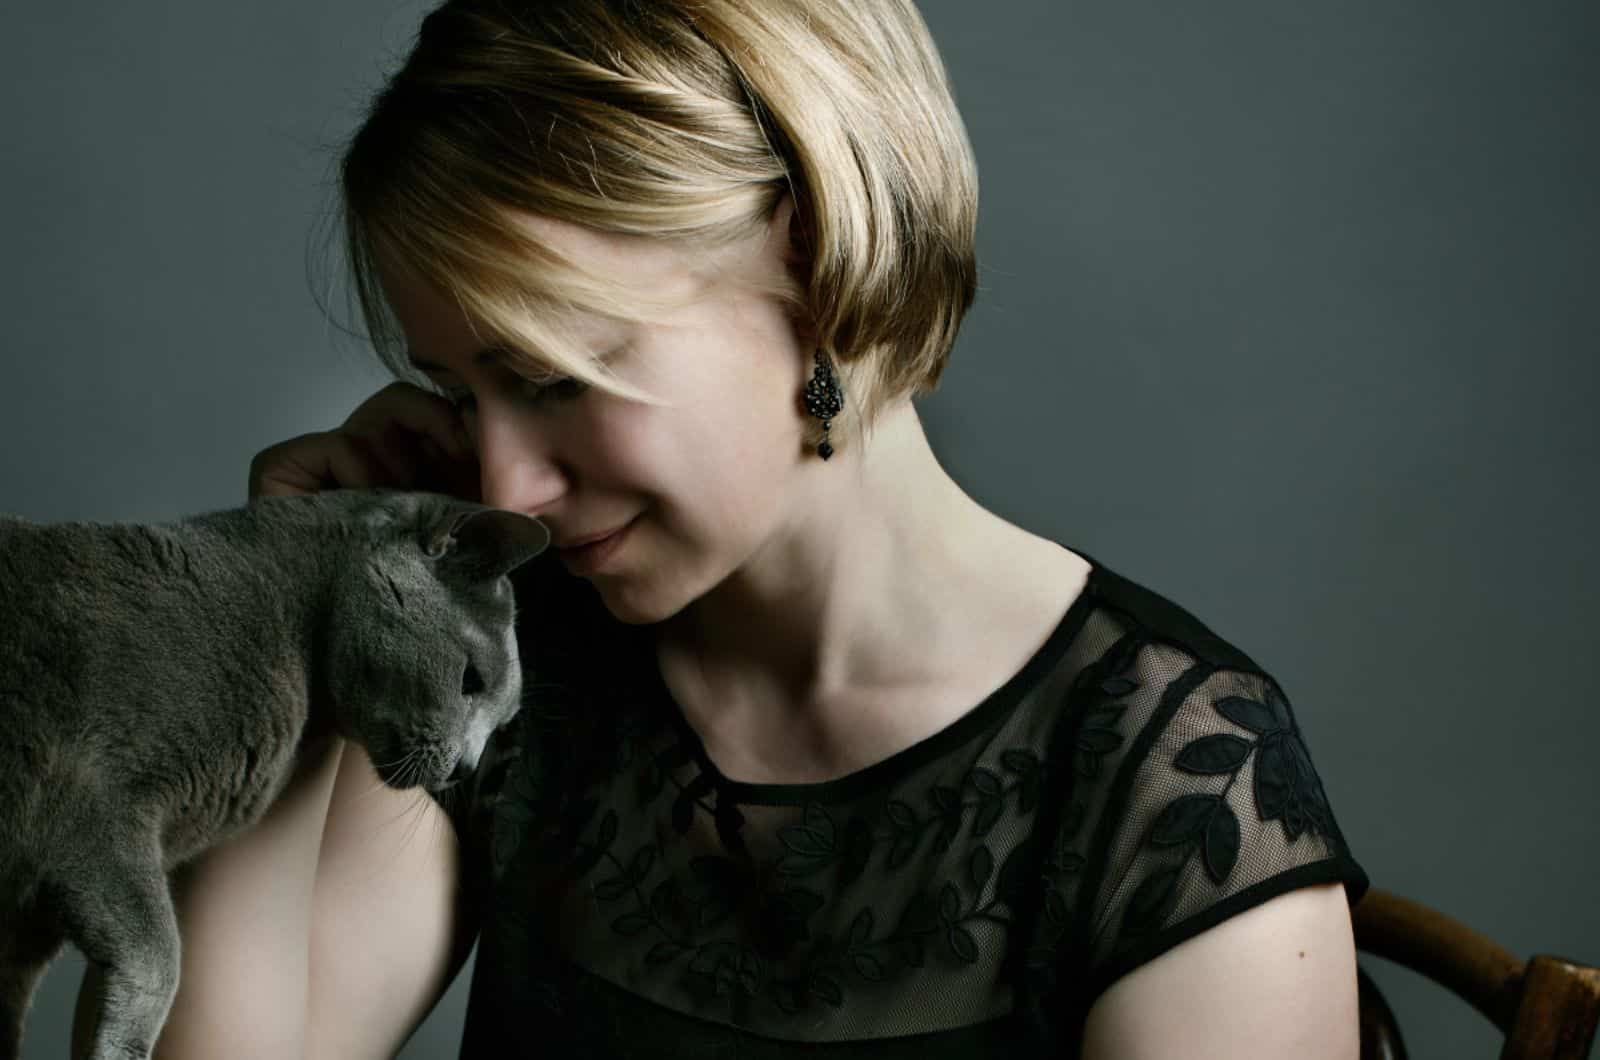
(1288, 311)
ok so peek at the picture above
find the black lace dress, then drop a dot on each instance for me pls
(1137, 781)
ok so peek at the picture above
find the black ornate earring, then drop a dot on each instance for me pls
(824, 400)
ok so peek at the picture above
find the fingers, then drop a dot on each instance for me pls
(312, 462)
(401, 437)
(445, 474)
(412, 409)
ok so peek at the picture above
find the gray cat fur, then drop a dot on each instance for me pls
(157, 681)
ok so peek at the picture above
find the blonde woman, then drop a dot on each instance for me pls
(819, 756)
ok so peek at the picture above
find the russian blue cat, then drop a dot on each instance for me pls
(157, 681)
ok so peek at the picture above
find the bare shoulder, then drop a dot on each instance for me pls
(1278, 979)
(388, 929)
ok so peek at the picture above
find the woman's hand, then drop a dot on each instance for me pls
(402, 437)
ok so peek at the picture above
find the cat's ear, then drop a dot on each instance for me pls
(478, 543)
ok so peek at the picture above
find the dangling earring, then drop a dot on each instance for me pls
(824, 400)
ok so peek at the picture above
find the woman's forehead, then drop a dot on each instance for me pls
(658, 268)
(661, 273)
(422, 306)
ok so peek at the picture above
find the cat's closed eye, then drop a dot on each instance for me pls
(471, 680)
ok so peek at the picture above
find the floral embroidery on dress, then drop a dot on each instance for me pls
(992, 866)
(1099, 735)
(1286, 789)
(775, 907)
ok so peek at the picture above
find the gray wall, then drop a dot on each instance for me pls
(1288, 311)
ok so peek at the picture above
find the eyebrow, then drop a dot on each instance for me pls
(487, 355)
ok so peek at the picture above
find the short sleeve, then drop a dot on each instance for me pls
(1201, 801)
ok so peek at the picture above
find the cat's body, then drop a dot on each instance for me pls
(157, 682)
(102, 634)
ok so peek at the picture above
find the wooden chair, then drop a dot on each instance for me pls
(1547, 1006)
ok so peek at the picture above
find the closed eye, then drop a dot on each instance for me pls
(557, 388)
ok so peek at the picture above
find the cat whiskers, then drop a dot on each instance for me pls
(419, 803)
(401, 765)
(406, 768)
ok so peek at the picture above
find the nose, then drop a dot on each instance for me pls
(466, 761)
(517, 466)
(463, 769)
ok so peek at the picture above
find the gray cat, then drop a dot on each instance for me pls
(156, 682)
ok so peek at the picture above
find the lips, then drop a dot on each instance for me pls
(597, 554)
(587, 539)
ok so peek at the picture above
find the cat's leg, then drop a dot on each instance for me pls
(25, 952)
(119, 913)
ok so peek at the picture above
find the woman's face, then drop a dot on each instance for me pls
(700, 485)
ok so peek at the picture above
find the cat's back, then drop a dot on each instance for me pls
(43, 654)
(134, 660)
(49, 571)
(34, 564)
(82, 602)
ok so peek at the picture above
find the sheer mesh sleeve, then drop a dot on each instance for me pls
(1208, 804)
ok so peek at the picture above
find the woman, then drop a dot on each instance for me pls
(819, 755)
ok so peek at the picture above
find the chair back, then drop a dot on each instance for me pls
(1547, 1006)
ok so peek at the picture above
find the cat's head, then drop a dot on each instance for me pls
(420, 633)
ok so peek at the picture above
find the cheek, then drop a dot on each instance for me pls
(741, 449)
(622, 447)
(728, 426)
(717, 462)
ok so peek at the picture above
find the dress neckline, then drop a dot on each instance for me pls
(850, 785)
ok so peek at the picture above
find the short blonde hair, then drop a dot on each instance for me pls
(681, 121)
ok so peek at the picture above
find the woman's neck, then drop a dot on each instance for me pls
(865, 588)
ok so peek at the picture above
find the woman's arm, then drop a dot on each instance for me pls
(284, 953)
(389, 930)
(1276, 980)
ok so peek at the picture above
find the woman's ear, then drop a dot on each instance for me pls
(790, 229)
(794, 228)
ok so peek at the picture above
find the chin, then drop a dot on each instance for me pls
(633, 607)
(632, 612)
